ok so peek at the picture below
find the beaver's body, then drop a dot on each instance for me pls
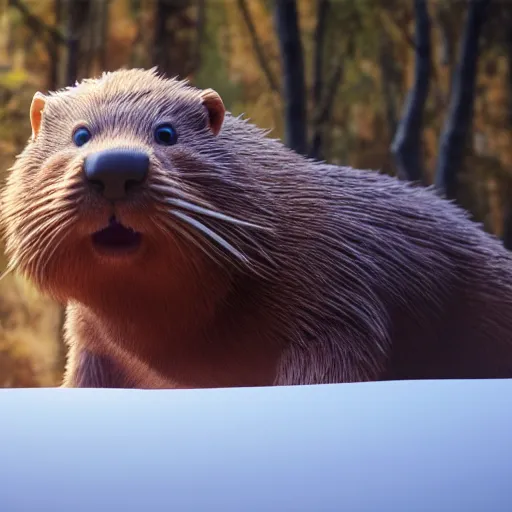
(253, 265)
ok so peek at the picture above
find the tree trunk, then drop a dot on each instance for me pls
(195, 59)
(160, 43)
(71, 72)
(458, 123)
(103, 35)
(174, 37)
(322, 11)
(53, 48)
(77, 18)
(406, 146)
(321, 25)
(294, 87)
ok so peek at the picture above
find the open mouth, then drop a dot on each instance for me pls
(116, 239)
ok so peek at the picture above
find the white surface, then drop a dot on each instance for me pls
(397, 446)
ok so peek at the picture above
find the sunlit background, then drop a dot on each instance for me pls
(330, 77)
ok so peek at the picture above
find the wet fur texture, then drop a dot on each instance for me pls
(306, 272)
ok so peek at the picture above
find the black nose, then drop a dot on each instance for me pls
(116, 171)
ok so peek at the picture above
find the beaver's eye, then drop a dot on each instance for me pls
(81, 136)
(166, 135)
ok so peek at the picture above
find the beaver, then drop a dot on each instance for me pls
(193, 250)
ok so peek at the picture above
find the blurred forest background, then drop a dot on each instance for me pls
(417, 88)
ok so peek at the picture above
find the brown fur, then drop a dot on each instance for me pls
(341, 275)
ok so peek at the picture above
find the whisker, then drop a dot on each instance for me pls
(35, 234)
(62, 226)
(45, 258)
(33, 238)
(7, 271)
(211, 213)
(162, 229)
(198, 243)
(211, 234)
(50, 227)
(51, 194)
(36, 219)
(163, 187)
(170, 190)
(243, 238)
(165, 233)
(36, 259)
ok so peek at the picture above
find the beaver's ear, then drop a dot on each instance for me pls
(36, 112)
(215, 107)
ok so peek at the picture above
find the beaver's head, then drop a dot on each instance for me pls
(117, 184)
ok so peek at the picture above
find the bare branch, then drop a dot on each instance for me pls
(36, 24)
(387, 20)
(200, 30)
(325, 105)
(258, 50)
(320, 30)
